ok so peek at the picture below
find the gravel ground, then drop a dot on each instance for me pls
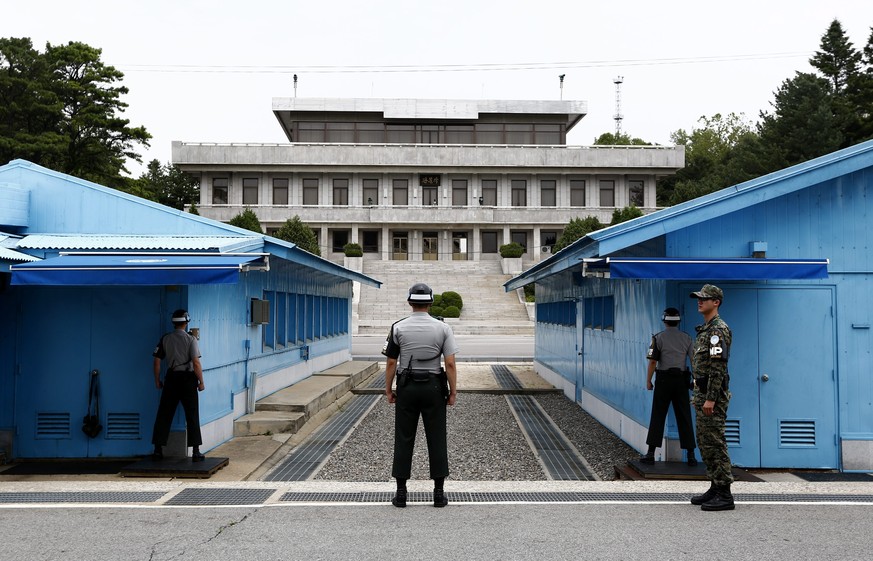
(476, 452)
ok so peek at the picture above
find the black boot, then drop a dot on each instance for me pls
(723, 500)
(700, 499)
(399, 499)
(649, 456)
(692, 461)
(439, 498)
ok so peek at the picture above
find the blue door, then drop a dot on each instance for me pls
(65, 334)
(782, 364)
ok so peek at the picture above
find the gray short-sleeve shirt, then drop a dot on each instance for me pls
(179, 348)
(425, 339)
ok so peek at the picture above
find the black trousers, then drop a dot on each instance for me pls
(671, 388)
(425, 400)
(178, 387)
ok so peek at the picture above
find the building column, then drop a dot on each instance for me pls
(475, 245)
(386, 242)
(537, 243)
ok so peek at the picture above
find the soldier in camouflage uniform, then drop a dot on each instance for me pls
(709, 365)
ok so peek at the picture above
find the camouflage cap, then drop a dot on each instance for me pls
(709, 291)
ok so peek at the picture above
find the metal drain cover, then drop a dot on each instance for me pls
(217, 497)
(81, 497)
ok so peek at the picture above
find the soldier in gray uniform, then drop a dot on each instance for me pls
(667, 357)
(183, 380)
(709, 365)
(414, 347)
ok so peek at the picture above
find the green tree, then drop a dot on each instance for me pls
(248, 220)
(623, 139)
(837, 59)
(577, 228)
(62, 108)
(165, 184)
(296, 232)
(625, 214)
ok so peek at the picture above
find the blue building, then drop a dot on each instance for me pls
(792, 251)
(88, 279)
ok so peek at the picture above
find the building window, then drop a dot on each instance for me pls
(250, 190)
(519, 192)
(400, 134)
(489, 134)
(489, 192)
(370, 241)
(340, 239)
(577, 192)
(400, 192)
(519, 237)
(219, 190)
(636, 194)
(371, 132)
(548, 192)
(607, 193)
(548, 239)
(459, 192)
(600, 313)
(459, 134)
(429, 134)
(489, 242)
(280, 190)
(370, 192)
(310, 132)
(519, 134)
(310, 191)
(547, 134)
(340, 192)
(340, 132)
(430, 196)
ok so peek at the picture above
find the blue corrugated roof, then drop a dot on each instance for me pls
(136, 242)
(621, 236)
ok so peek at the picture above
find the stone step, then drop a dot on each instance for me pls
(288, 409)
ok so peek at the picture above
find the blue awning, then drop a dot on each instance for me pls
(133, 269)
(709, 269)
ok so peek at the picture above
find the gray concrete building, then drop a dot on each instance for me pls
(426, 179)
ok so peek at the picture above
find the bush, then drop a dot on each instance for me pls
(530, 294)
(451, 298)
(451, 312)
(353, 250)
(438, 300)
(436, 311)
(513, 249)
(248, 220)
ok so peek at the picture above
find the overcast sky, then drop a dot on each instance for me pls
(206, 71)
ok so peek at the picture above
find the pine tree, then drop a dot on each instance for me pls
(296, 232)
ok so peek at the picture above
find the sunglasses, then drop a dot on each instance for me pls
(704, 299)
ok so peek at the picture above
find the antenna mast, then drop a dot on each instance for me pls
(618, 116)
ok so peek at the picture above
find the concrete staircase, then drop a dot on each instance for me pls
(287, 410)
(488, 309)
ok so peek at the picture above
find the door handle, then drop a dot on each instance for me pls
(764, 377)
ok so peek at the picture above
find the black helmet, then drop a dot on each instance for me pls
(420, 293)
(180, 316)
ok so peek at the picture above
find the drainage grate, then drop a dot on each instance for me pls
(304, 460)
(559, 497)
(81, 497)
(217, 497)
(378, 381)
(505, 377)
(554, 450)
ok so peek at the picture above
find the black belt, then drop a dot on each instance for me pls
(180, 372)
(672, 371)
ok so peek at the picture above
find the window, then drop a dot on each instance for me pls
(459, 134)
(291, 336)
(269, 328)
(548, 192)
(370, 193)
(310, 132)
(557, 313)
(600, 313)
(281, 319)
(429, 134)
(489, 242)
(607, 193)
(489, 134)
(280, 190)
(577, 192)
(340, 132)
(459, 192)
(371, 132)
(519, 237)
(340, 239)
(548, 238)
(340, 192)
(547, 134)
(250, 190)
(489, 192)
(400, 192)
(219, 190)
(310, 191)
(401, 134)
(519, 192)
(430, 196)
(636, 194)
(519, 134)
(370, 241)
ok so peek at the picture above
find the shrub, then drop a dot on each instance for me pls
(513, 249)
(248, 220)
(438, 300)
(436, 311)
(530, 294)
(451, 298)
(451, 312)
(353, 250)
